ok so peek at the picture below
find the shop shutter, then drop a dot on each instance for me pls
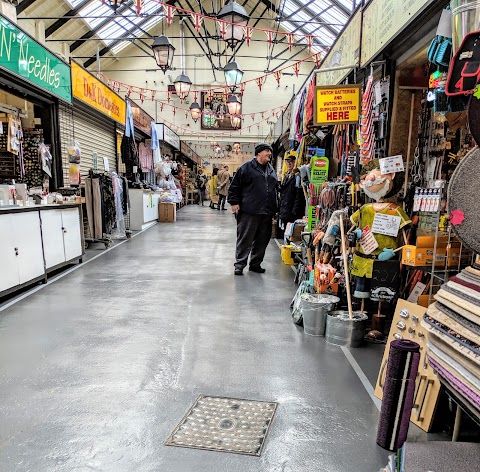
(94, 133)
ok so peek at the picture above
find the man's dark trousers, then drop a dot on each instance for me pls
(222, 199)
(253, 235)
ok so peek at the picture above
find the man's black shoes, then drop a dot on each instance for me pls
(238, 272)
(257, 269)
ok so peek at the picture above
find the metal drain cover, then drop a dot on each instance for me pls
(225, 425)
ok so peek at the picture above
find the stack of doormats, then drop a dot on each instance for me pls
(453, 347)
(439, 456)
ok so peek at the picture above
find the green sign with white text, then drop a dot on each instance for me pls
(24, 57)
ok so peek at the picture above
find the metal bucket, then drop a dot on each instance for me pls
(342, 331)
(465, 19)
(315, 307)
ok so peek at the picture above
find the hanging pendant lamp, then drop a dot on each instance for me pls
(234, 105)
(233, 75)
(164, 52)
(182, 82)
(236, 19)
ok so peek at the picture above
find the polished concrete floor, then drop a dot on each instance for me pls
(97, 368)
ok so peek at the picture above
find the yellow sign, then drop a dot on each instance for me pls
(337, 105)
(344, 53)
(383, 20)
(90, 90)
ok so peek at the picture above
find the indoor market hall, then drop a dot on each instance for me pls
(239, 235)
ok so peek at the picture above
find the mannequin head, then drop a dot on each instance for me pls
(377, 186)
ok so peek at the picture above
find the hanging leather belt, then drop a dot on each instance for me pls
(366, 256)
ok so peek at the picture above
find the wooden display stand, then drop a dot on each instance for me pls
(427, 383)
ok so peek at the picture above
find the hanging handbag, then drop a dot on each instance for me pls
(432, 49)
(443, 53)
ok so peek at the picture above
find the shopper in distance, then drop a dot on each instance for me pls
(253, 197)
(223, 181)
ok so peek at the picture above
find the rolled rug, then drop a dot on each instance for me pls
(398, 394)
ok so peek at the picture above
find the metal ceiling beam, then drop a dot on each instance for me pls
(22, 6)
(76, 44)
(64, 20)
(317, 15)
(104, 51)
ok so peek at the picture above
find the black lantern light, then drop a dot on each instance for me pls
(164, 52)
(237, 18)
(195, 111)
(234, 105)
(233, 75)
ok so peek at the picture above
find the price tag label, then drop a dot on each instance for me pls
(389, 165)
(387, 225)
(367, 242)
(106, 164)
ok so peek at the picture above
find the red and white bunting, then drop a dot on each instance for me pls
(142, 97)
(129, 91)
(174, 111)
(260, 81)
(252, 116)
(242, 87)
(278, 76)
(296, 68)
(195, 96)
(248, 31)
(161, 106)
(290, 40)
(153, 94)
(309, 39)
(169, 96)
(222, 28)
(270, 36)
(197, 21)
(169, 13)
(318, 59)
(138, 6)
(186, 114)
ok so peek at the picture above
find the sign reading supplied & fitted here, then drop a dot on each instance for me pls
(337, 105)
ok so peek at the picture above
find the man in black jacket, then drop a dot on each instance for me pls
(253, 196)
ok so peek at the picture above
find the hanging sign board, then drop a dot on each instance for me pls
(383, 20)
(337, 105)
(24, 57)
(141, 119)
(165, 134)
(387, 225)
(392, 164)
(319, 173)
(96, 94)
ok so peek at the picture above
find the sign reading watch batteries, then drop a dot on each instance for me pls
(337, 105)
(90, 90)
(24, 57)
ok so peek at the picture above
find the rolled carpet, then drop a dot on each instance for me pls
(398, 394)
(458, 318)
(458, 299)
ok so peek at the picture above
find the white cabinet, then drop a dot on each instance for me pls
(72, 234)
(52, 237)
(143, 208)
(20, 249)
(8, 260)
(62, 237)
(34, 240)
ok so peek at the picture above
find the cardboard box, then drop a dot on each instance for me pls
(167, 212)
(422, 256)
(329, 288)
(423, 300)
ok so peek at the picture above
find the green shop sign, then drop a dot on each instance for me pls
(23, 56)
